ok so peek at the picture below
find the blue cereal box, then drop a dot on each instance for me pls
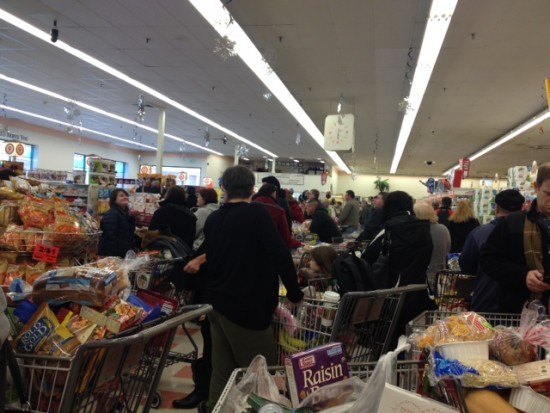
(312, 369)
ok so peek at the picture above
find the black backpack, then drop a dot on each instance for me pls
(352, 274)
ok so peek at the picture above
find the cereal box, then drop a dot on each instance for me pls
(309, 370)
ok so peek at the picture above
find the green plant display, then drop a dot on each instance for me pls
(382, 185)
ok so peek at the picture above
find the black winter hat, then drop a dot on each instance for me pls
(510, 200)
(272, 180)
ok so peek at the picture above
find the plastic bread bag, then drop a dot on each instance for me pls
(468, 326)
(369, 400)
(472, 373)
(515, 346)
(82, 285)
(335, 394)
(256, 380)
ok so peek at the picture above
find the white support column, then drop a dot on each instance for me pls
(160, 140)
(236, 158)
(273, 165)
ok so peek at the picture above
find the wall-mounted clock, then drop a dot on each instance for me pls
(339, 132)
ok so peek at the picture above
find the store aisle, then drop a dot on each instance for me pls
(176, 381)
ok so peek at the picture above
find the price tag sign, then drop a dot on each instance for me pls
(46, 254)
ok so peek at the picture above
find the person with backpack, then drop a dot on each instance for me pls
(409, 250)
(174, 218)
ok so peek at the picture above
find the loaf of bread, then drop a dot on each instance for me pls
(83, 285)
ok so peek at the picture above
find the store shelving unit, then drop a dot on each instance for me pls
(101, 172)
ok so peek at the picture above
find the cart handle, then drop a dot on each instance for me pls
(190, 312)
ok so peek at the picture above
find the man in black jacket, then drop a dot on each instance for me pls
(244, 256)
(321, 222)
(517, 253)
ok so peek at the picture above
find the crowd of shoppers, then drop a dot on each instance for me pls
(509, 256)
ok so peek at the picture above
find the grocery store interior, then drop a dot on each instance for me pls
(433, 97)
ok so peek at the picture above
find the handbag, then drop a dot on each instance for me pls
(381, 267)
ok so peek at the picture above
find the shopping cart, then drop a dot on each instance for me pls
(156, 276)
(452, 290)
(406, 374)
(363, 322)
(116, 375)
(427, 318)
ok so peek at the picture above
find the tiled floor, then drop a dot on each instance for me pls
(176, 380)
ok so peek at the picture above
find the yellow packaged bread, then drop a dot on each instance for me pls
(487, 401)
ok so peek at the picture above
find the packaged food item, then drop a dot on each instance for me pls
(36, 331)
(509, 347)
(9, 193)
(83, 285)
(35, 212)
(32, 237)
(33, 272)
(468, 326)
(12, 239)
(487, 401)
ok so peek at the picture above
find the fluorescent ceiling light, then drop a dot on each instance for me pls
(296, 160)
(541, 117)
(35, 115)
(221, 20)
(100, 111)
(29, 28)
(439, 18)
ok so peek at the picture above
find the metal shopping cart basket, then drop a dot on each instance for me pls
(452, 290)
(156, 276)
(363, 322)
(115, 375)
(407, 374)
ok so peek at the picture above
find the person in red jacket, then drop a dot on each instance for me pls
(266, 196)
(296, 210)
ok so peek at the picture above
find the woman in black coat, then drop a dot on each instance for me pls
(117, 226)
(409, 255)
(174, 218)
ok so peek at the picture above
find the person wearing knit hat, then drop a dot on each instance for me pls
(271, 180)
(281, 198)
(485, 297)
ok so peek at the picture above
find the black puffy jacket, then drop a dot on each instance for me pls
(117, 233)
(177, 219)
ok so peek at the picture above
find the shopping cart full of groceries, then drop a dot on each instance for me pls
(119, 374)
(363, 321)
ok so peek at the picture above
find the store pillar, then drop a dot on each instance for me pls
(160, 140)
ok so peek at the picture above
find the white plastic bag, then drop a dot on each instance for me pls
(257, 380)
(369, 400)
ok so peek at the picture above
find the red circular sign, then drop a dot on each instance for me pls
(10, 148)
(182, 176)
(19, 149)
(144, 169)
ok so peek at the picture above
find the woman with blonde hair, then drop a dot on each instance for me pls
(461, 223)
(441, 239)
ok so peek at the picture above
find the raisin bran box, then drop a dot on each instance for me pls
(309, 370)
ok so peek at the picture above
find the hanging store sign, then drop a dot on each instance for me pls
(464, 166)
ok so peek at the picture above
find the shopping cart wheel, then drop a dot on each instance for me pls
(157, 400)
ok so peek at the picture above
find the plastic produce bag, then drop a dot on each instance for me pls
(515, 346)
(472, 373)
(257, 380)
(369, 399)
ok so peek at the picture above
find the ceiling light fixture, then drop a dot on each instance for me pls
(340, 103)
(541, 117)
(101, 112)
(217, 15)
(59, 122)
(440, 16)
(29, 28)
